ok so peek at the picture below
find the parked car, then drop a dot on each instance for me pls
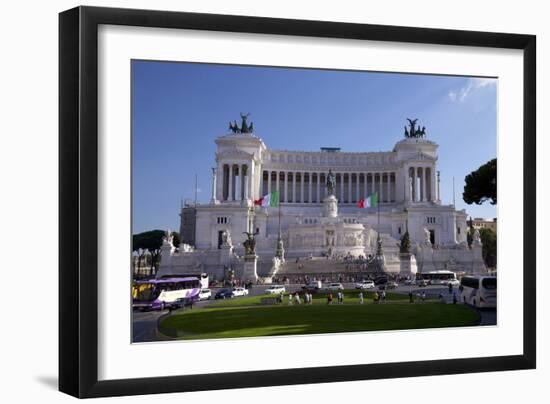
(313, 286)
(410, 282)
(275, 290)
(391, 285)
(224, 294)
(422, 282)
(239, 291)
(334, 287)
(205, 294)
(364, 285)
(381, 280)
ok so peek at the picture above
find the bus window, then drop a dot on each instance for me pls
(489, 283)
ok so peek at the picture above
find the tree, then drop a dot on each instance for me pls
(481, 184)
(150, 241)
(176, 239)
(489, 250)
(470, 234)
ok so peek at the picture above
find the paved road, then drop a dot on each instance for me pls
(145, 323)
(145, 326)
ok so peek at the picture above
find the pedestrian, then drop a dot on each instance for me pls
(329, 298)
(360, 297)
(450, 288)
(383, 296)
(290, 299)
(454, 298)
(342, 297)
(411, 297)
(423, 297)
(375, 297)
(297, 297)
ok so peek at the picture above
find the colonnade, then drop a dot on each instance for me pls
(422, 184)
(309, 187)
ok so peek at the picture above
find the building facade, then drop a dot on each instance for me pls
(405, 179)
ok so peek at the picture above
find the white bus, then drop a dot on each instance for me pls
(437, 277)
(479, 291)
(158, 294)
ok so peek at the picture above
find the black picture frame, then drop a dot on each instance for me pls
(78, 200)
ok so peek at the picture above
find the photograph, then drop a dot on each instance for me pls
(270, 201)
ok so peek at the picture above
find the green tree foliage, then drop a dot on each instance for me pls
(150, 241)
(177, 239)
(489, 250)
(481, 184)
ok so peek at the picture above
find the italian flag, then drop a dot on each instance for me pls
(268, 201)
(370, 202)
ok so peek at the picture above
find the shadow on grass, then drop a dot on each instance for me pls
(251, 321)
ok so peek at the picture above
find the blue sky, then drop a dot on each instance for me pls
(178, 109)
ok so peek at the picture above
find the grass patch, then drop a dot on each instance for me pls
(350, 296)
(230, 319)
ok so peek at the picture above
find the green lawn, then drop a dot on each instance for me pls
(247, 317)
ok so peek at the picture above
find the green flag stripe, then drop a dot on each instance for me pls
(274, 202)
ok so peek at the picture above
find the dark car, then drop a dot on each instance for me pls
(381, 280)
(224, 294)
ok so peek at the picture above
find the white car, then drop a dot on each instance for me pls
(275, 290)
(205, 294)
(364, 285)
(240, 292)
(335, 286)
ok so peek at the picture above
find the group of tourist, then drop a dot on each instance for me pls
(294, 298)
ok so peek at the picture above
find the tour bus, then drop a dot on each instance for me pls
(437, 277)
(479, 291)
(204, 280)
(158, 294)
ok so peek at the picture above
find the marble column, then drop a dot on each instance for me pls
(388, 175)
(349, 187)
(251, 181)
(357, 185)
(213, 200)
(246, 181)
(309, 196)
(230, 192)
(286, 187)
(268, 182)
(381, 187)
(341, 187)
(302, 199)
(318, 187)
(415, 185)
(294, 187)
(424, 177)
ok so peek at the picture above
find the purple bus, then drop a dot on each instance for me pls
(158, 294)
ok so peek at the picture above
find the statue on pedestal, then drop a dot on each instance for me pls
(226, 239)
(250, 243)
(427, 237)
(331, 182)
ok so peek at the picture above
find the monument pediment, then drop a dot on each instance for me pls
(234, 154)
